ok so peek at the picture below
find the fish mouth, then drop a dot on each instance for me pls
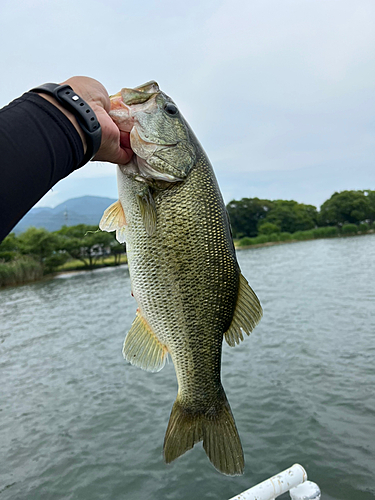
(128, 102)
(121, 113)
(124, 108)
(138, 95)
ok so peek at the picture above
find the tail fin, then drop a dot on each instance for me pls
(216, 428)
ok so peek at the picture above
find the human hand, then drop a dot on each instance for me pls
(115, 146)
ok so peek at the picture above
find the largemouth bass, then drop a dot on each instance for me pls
(184, 272)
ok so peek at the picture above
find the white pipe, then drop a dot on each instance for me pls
(276, 485)
(305, 491)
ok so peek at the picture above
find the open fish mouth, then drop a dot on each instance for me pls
(124, 108)
(126, 103)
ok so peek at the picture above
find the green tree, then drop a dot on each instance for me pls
(9, 248)
(268, 228)
(371, 205)
(117, 249)
(246, 214)
(85, 243)
(291, 216)
(348, 207)
(38, 242)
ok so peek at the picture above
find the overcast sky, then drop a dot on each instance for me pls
(281, 93)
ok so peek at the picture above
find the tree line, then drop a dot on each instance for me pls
(36, 251)
(251, 217)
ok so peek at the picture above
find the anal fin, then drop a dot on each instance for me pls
(246, 316)
(142, 348)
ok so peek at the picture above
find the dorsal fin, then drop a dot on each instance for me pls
(246, 316)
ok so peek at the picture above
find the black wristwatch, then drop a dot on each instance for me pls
(86, 117)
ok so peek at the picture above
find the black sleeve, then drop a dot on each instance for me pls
(38, 147)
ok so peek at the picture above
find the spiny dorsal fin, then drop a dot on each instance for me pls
(246, 316)
(148, 210)
(113, 218)
(142, 348)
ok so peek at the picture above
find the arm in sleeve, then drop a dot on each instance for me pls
(39, 146)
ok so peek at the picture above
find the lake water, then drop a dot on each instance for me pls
(78, 422)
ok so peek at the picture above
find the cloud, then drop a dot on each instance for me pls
(267, 85)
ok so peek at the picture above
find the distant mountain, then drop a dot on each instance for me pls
(83, 210)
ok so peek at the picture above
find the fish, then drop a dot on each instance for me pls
(184, 272)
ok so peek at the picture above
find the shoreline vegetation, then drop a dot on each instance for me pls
(38, 254)
(312, 234)
(25, 270)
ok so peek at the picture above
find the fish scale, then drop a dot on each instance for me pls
(184, 274)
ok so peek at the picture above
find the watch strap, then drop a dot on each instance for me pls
(70, 100)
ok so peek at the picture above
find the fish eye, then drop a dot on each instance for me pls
(170, 108)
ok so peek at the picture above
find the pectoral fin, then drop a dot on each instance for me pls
(246, 316)
(120, 235)
(142, 348)
(148, 210)
(113, 218)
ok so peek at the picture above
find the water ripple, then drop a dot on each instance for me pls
(77, 422)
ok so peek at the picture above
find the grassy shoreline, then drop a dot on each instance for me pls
(312, 234)
(27, 270)
(78, 265)
(272, 243)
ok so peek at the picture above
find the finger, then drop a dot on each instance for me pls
(125, 140)
(125, 155)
